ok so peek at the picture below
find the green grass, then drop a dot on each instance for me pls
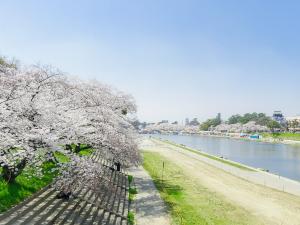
(240, 166)
(24, 186)
(132, 190)
(130, 218)
(61, 157)
(26, 183)
(130, 179)
(82, 146)
(86, 152)
(283, 136)
(188, 201)
(132, 193)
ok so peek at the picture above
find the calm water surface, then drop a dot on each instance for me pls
(279, 159)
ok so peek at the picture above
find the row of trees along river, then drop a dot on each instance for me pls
(43, 111)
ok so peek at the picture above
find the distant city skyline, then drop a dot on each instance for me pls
(179, 59)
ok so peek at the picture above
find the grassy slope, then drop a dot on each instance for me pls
(240, 166)
(86, 152)
(283, 136)
(12, 194)
(190, 202)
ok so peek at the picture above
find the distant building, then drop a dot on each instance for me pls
(194, 122)
(278, 116)
(163, 121)
(293, 118)
(293, 123)
(219, 117)
(175, 122)
(187, 121)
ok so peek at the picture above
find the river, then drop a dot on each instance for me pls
(280, 159)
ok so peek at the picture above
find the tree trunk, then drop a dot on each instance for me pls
(69, 147)
(10, 174)
(118, 165)
(77, 148)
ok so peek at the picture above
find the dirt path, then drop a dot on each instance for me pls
(271, 206)
(150, 208)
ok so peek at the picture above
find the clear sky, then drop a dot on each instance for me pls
(189, 58)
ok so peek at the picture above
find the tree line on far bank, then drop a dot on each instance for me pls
(259, 118)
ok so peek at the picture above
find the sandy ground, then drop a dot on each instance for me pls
(270, 206)
(150, 207)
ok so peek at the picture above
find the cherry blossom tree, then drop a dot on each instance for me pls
(25, 127)
(42, 110)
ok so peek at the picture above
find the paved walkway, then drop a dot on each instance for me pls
(151, 210)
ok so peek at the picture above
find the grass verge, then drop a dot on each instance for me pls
(189, 202)
(130, 179)
(282, 136)
(130, 218)
(132, 193)
(238, 165)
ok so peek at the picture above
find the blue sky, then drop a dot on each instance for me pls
(189, 58)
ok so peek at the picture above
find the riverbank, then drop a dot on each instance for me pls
(265, 137)
(267, 205)
(225, 161)
(190, 202)
(255, 175)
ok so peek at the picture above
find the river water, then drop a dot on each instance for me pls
(280, 159)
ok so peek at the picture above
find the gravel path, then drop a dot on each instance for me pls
(151, 210)
(271, 206)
